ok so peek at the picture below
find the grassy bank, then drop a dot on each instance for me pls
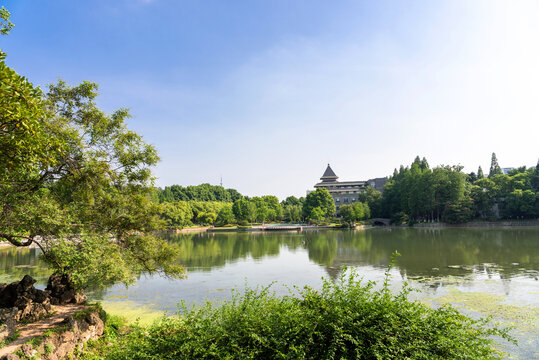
(347, 319)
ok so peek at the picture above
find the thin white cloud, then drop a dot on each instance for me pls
(467, 88)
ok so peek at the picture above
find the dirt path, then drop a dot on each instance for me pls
(27, 332)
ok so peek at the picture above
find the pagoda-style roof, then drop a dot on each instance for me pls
(329, 175)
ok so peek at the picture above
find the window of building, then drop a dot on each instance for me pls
(345, 199)
(337, 199)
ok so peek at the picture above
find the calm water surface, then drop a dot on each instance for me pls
(482, 271)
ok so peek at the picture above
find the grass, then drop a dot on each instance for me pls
(346, 319)
(9, 339)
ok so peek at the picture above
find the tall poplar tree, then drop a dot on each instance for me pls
(495, 169)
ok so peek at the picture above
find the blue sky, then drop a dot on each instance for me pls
(266, 93)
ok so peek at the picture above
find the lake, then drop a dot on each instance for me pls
(484, 272)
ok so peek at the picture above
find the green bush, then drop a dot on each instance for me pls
(347, 225)
(347, 319)
(244, 227)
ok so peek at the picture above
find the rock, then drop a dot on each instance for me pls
(8, 313)
(10, 357)
(80, 298)
(92, 319)
(67, 297)
(8, 295)
(62, 291)
(63, 345)
(28, 351)
(21, 301)
(27, 283)
(9, 327)
(41, 296)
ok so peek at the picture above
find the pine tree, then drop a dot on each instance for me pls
(424, 164)
(494, 167)
(480, 174)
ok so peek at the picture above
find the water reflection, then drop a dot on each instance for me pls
(425, 252)
(208, 251)
(466, 266)
(17, 262)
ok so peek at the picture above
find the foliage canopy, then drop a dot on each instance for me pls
(318, 205)
(76, 182)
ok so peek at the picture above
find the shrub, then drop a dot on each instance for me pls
(347, 319)
(244, 223)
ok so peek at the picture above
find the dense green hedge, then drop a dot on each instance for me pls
(348, 319)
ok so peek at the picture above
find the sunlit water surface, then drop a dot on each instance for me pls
(482, 271)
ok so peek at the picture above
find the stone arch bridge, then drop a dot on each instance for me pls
(380, 221)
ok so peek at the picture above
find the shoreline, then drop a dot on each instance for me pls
(300, 228)
(485, 224)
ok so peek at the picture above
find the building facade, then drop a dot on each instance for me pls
(347, 192)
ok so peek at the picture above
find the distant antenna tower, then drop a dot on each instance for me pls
(221, 181)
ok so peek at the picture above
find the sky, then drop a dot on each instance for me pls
(264, 94)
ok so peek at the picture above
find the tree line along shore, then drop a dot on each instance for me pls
(413, 194)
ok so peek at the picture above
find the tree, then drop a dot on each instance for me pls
(494, 167)
(225, 216)
(320, 198)
(354, 212)
(206, 218)
(317, 214)
(521, 203)
(176, 214)
(459, 212)
(535, 178)
(347, 213)
(480, 174)
(291, 200)
(251, 211)
(372, 198)
(240, 208)
(172, 214)
(262, 212)
(5, 24)
(275, 209)
(234, 194)
(292, 213)
(76, 182)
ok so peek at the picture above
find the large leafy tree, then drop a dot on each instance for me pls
(318, 203)
(76, 182)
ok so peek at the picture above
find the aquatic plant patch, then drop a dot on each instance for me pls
(345, 319)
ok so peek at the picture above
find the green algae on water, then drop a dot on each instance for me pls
(132, 311)
(522, 318)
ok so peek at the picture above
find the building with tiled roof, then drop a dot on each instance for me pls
(346, 192)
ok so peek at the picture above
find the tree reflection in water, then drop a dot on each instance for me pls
(425, 252)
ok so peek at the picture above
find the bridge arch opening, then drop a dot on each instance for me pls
(380, 222)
